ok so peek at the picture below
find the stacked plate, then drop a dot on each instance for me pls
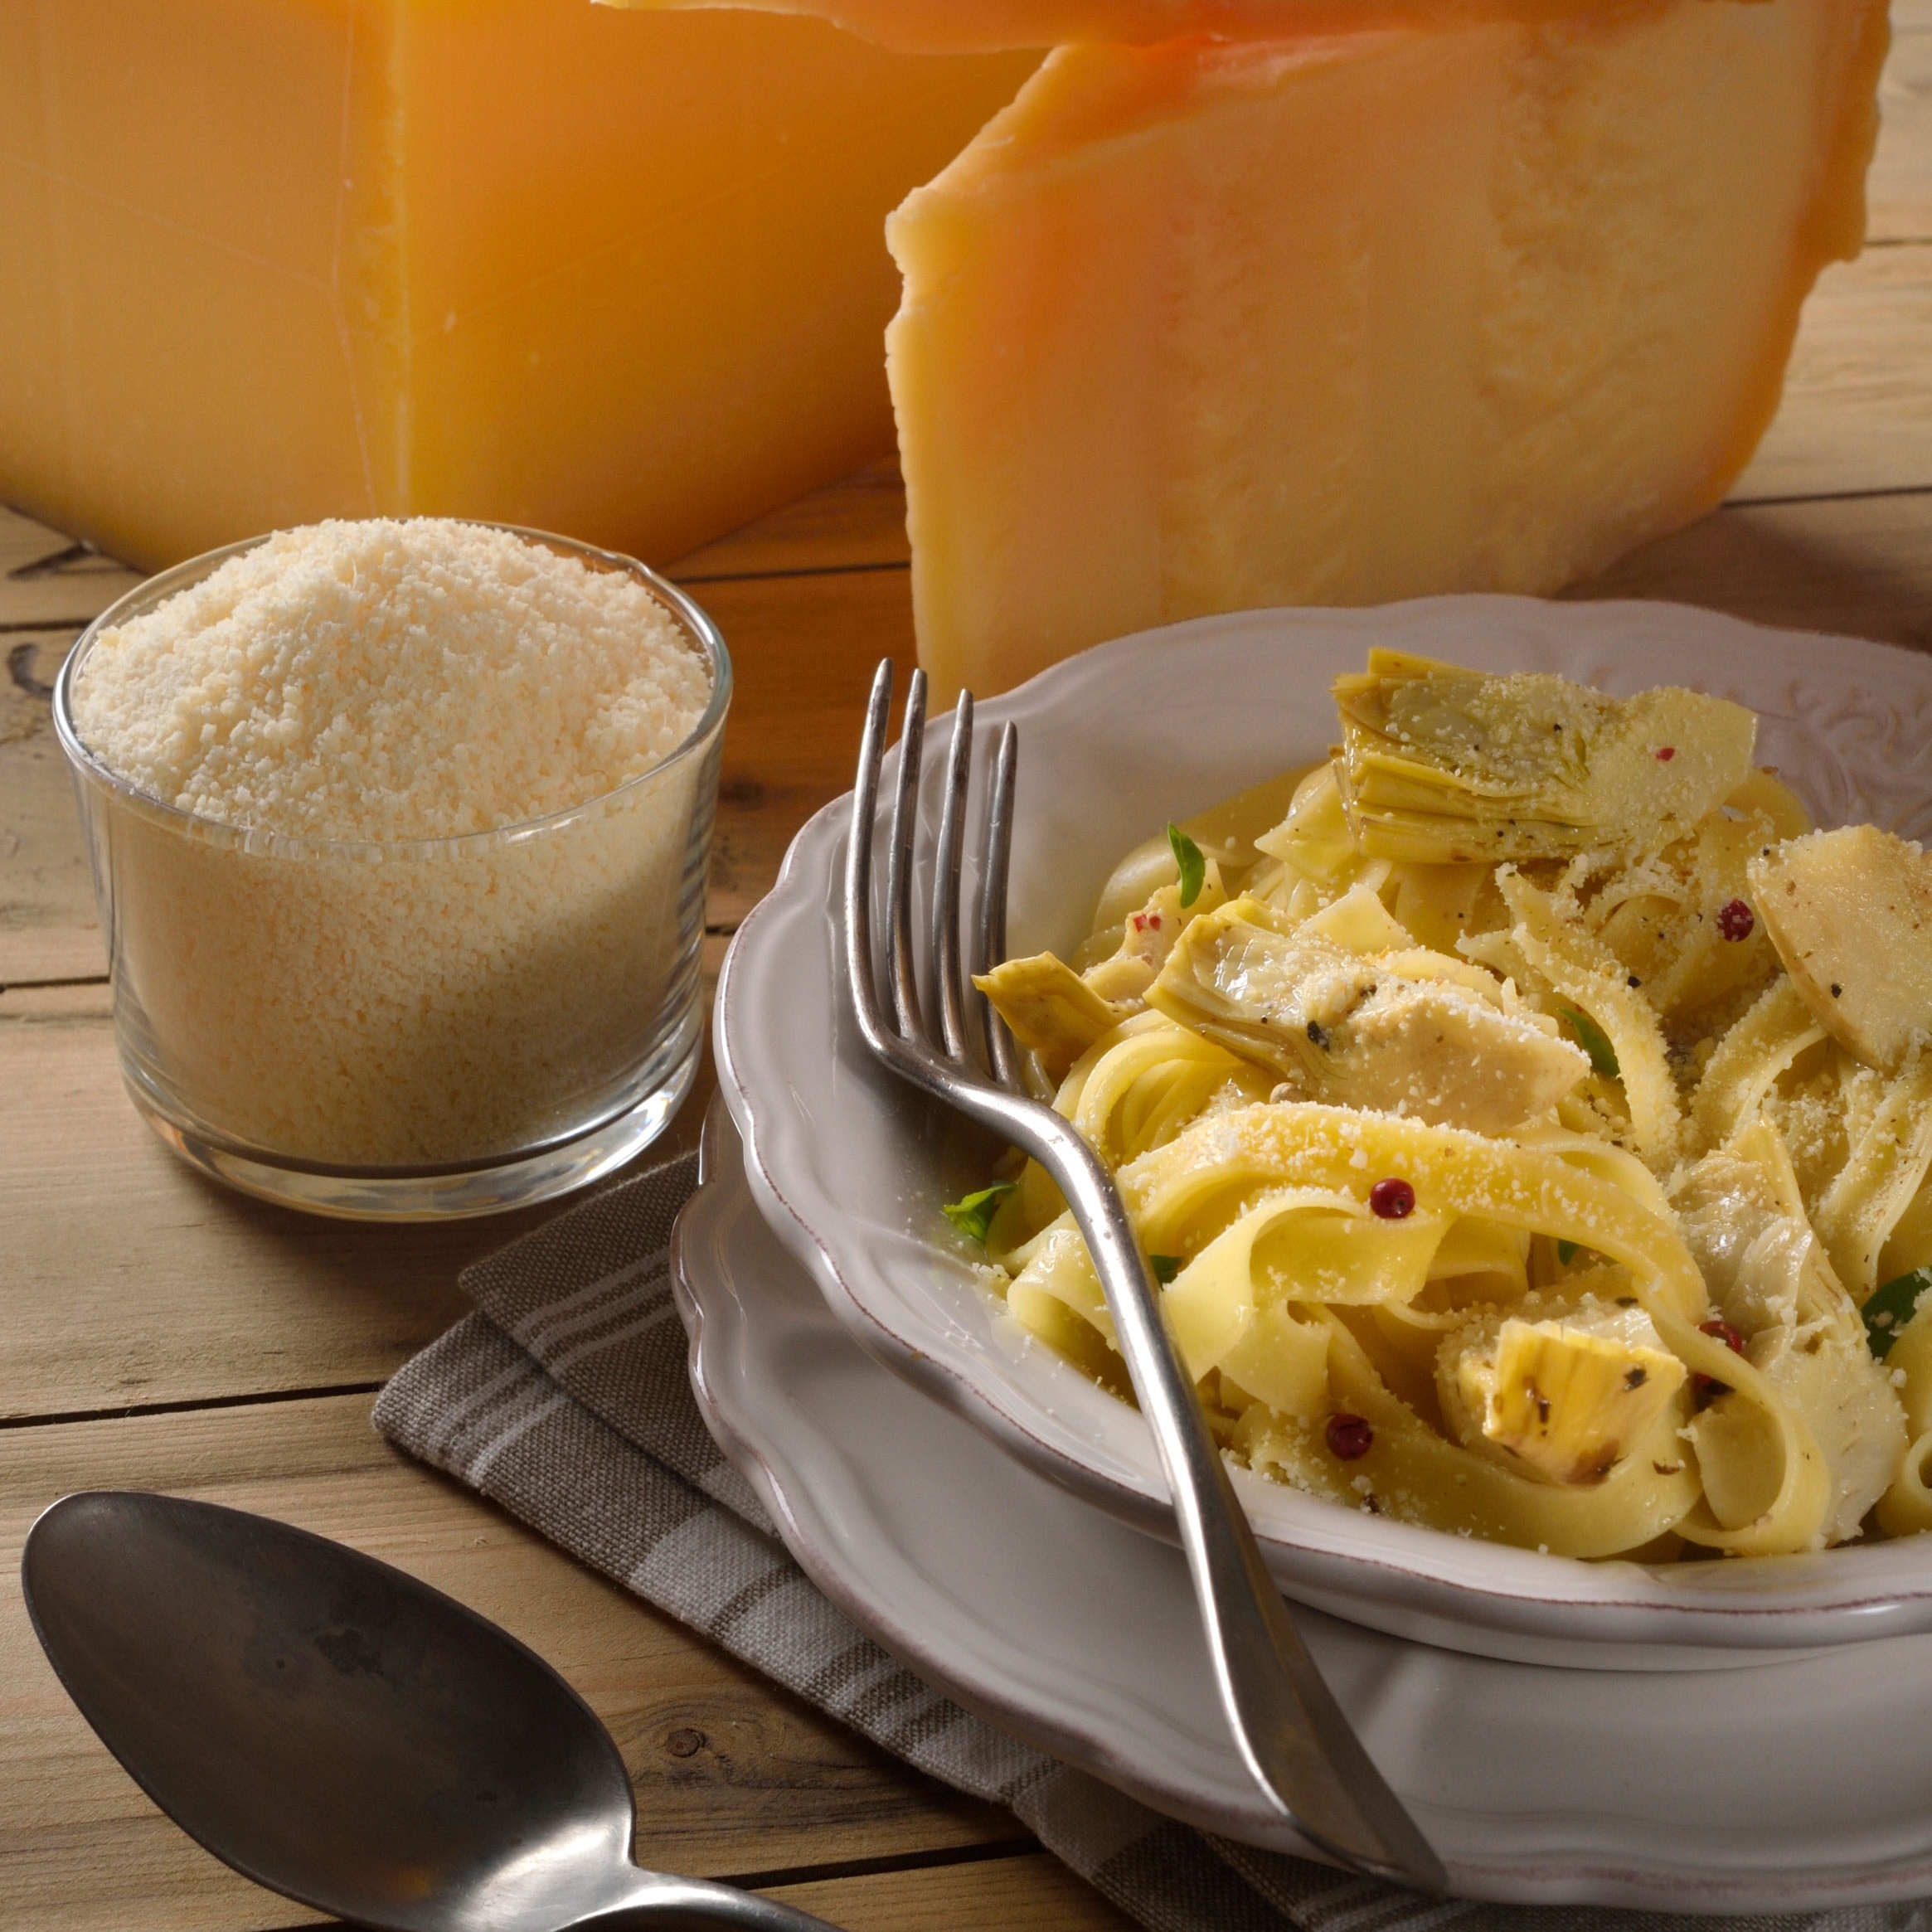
(1563, 1731)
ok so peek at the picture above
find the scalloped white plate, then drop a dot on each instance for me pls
(849, 1166)
(1796, 1786)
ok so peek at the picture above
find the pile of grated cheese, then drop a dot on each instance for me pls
(388, 680)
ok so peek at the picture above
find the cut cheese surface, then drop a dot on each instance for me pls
(1208, 327)
(267, 261)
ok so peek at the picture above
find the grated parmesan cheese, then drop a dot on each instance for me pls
(391, 680)
(368, 985)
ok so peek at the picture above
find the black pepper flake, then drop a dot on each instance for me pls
(1705, 1389)
(1542, 1408)
(1635, 1378)
(1318, 1034)
(1838, 990)
(1626, 1301)
(1633, 981)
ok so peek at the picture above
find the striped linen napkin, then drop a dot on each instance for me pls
(564, 1398)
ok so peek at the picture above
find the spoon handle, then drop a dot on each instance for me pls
(664, 1904)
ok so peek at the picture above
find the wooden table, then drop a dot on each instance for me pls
(158, 1331)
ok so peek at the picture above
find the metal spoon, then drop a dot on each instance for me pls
(343, 1734)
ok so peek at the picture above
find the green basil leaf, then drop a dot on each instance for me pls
(972, 1214)
(1891, 1307)
(1166, 1267)
(1594, 1040)
(1565, 1252)
(1193, 867)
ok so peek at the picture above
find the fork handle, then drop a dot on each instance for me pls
(1297, 1743)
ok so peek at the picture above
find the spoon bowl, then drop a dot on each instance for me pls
(341, 1733)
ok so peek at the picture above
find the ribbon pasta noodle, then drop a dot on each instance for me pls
(1501, 1172)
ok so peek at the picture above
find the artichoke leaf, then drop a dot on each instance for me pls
(1563, 1398)
(1048, 1008)
(1444, 766)
(1354, 1029)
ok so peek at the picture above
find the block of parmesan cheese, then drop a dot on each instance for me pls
(1208, 326)
(267, 261)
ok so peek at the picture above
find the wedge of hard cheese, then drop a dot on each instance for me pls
(1208, 326)
(263, 261)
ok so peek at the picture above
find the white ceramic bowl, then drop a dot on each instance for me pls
(849, 1166)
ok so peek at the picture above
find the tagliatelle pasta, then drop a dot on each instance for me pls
(1499, 1172)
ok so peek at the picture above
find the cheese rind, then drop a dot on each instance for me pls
(936, 27)
(1210, 327)
(270, 261)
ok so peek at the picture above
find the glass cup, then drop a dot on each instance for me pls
(415, 1030)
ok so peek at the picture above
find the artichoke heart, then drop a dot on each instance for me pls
(1564, 1399)
(1048, 1008)
(1440, 764)
(1378, 1033)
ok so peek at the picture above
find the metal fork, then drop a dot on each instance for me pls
(1292, 1734)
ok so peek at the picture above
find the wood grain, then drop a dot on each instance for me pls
(857, 524)
(733, 1778)
(1859, 565)
(1858, 410)
(1898, 191)
(1009, 1895)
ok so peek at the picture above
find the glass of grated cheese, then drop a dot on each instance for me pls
(398, 831)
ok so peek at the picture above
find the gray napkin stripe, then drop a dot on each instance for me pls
(564, 1399)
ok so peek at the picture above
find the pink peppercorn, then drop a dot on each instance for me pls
(1725, 1332)
(1666, 753)
(1736, 920)
(1393, 1200)
(1350, 1437)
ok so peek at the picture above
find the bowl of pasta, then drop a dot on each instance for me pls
(1507, 1022)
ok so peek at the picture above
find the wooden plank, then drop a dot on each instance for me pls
(48, 929)
(804, 648)
(1858, 566)
(48, 579)
(1004, 1895)
(1858, 409)
(186, 1291)
(858, 523)
(732, 1776)
(1898, 192)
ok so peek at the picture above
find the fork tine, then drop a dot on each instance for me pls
(902, 976)
(944, 953)
(1002, 1054)
(858, 856)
